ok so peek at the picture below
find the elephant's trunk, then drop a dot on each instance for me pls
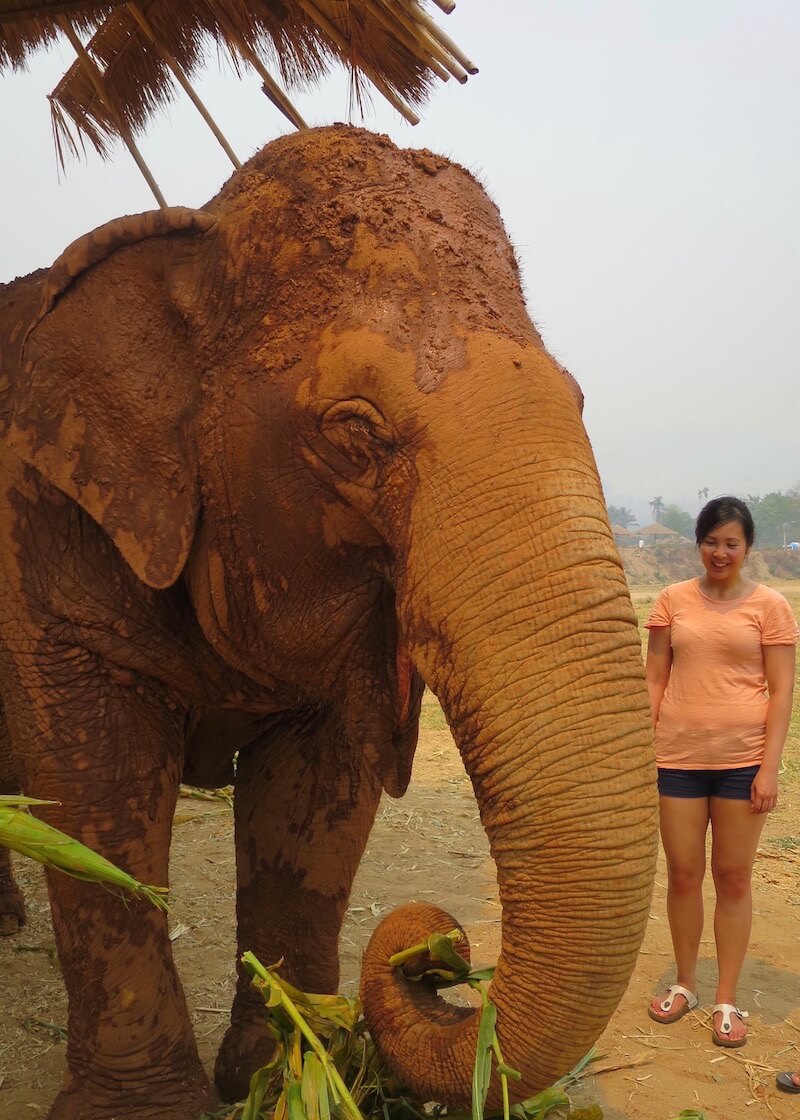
(543, 690)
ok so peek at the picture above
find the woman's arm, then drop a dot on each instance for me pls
(779, 667)
(658, 666)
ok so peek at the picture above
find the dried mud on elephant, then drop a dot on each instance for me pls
(430, 846)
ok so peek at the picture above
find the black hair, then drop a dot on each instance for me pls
(718, 511)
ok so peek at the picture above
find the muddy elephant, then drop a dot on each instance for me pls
(269, 468)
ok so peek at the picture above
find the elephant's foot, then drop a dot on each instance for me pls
(152, 1101)
(12, 910)
(246, 1047)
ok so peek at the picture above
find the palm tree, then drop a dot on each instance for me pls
(620, 515)
(657, 506)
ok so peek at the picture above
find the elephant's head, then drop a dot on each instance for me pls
(321, 402)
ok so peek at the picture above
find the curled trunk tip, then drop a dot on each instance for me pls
(401, 1012)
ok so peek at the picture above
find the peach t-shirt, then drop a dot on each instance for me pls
(713, 712)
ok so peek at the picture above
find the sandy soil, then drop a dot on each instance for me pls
(430, 845)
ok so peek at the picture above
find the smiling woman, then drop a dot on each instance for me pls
(718, 645)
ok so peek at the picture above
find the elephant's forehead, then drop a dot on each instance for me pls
(406, 338)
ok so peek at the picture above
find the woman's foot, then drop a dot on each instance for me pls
(728, 1027)
(677, 1002)
(788, 1082)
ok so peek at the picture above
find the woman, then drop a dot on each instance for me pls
(717, 645)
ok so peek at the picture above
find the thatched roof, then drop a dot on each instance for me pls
(131, 55)
(657, 530)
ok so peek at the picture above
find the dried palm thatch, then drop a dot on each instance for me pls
(138, 51)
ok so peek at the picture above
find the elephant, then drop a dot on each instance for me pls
(270, 468)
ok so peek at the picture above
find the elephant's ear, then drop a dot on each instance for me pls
(106, 394)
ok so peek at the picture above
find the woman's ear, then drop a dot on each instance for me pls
(106, 394)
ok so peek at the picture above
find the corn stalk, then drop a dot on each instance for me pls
(26, 834)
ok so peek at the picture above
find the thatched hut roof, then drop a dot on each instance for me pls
(136, 52)
(657, 530)
(139, 51)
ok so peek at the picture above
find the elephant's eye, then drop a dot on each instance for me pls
(357, 440)
(357, 421)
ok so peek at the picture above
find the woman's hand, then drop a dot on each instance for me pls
(764, 791)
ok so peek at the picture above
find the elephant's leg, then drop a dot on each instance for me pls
(305, 803)
(108, 747)
(12, 904)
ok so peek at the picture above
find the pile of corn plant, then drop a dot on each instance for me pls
(325, 1064)
(26, 834)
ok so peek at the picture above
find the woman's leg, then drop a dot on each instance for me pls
(735, 834)
(684, 822)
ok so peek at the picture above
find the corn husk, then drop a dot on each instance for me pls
(31, 837)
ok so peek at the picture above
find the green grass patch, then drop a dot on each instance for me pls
(785, 843)
(431, 717)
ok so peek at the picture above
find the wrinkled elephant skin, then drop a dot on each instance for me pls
(268, 466)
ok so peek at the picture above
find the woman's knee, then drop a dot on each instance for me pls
(685, 878)
(732, 881)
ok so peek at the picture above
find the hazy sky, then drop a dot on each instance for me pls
(646, 158)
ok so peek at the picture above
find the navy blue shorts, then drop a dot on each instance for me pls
(733, 784)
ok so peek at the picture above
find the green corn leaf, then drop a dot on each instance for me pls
(536, 1108)
(574, 1074)
(441, 977)
(259, 1084)
(403, 955)
(441, 948)
(273, 996)
(482, 1071)
(38, 840)
(295, 1106)
(280, 1112)
(482, 974)
(295, 1055)
(315, 1088)
(17, 801)
(338, 1011)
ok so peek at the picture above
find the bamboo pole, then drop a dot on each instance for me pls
(427, 41)
(447, 6)
(407, 37)
(333, 33)
(444, 38)
(270, 87)
(97, 81)
(180, 74)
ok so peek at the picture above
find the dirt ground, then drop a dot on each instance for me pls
(430, 845)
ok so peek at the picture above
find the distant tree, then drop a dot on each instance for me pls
(619, 515)
(702, 494)
(678, 519)
(776, 517)
(657, 506)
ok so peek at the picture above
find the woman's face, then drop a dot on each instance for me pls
(723, 551)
